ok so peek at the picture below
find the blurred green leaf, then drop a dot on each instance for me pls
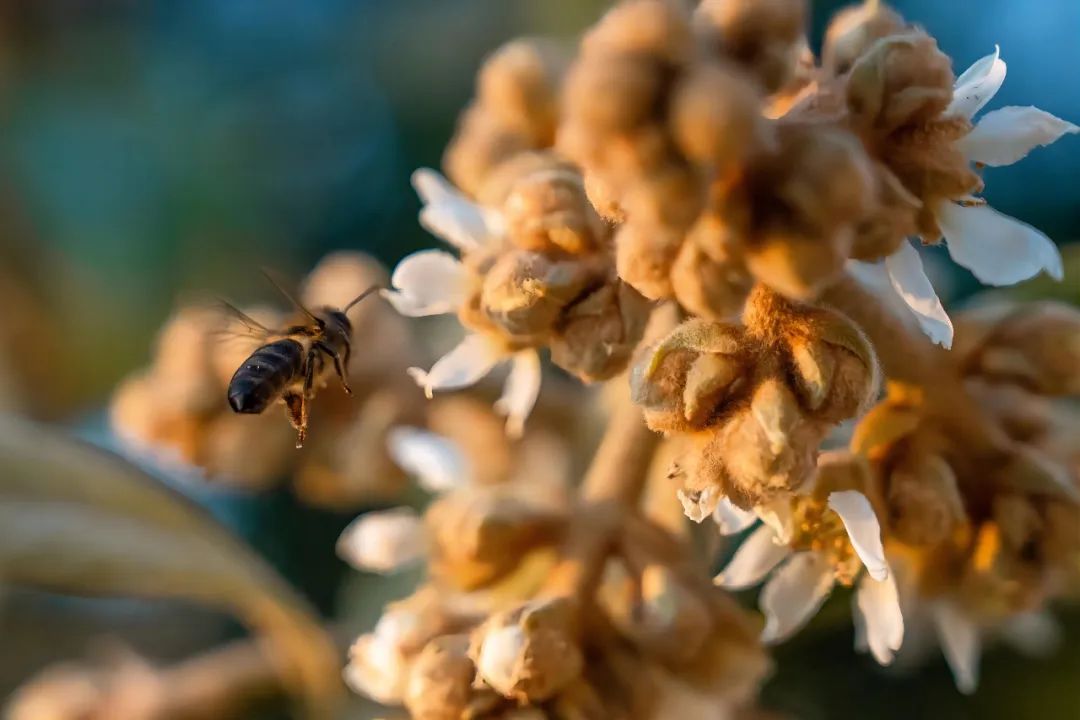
(79, 520)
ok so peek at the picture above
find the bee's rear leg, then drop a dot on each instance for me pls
(296, 407)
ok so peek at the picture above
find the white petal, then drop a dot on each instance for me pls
(863, 530)
(794, 594)
(377, 669)
(1004, 136)
(429, 282)
(731, 519)
(910, 282)
(383, 541)
(463, 366)
(977, 85)
(520, 391)
(878, 604)
(450, 215)
(998, 249)
(437, 462)
(1036, 633)
(960, 642)
(862, 642)
(777, 515)
(754, 559)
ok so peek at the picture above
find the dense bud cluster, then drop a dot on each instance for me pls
(756, 400)
(484, 638)
(515, 111)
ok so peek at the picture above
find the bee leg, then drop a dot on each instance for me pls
(295, 407)
(339, 364)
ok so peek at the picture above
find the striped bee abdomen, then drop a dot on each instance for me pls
(265, 375)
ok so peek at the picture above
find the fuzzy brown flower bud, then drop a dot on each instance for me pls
(440, 680)
(515, 111)
(548, 211)
(901, 80)
(924, 501)
(530, 653)
(598, 334)
(1035, 346)
(853, 30)
(762, 35)
(716, 117)
(525, 292)
(479, 534)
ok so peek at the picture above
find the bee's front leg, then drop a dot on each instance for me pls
(339, 364)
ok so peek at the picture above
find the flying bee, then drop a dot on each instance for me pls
(293, 360)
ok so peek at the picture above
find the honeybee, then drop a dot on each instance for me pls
(293, 360)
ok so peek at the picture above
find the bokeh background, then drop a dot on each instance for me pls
(151, 152)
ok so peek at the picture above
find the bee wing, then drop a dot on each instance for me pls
(238, 324)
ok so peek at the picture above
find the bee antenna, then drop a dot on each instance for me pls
(367, 293)
(296, 303)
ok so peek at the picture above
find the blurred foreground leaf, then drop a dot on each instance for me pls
(79, 520)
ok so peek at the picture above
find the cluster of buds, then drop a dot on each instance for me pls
(176, 408)
(754, 401)
(510, 623)
(666, 113)
(516, 110)
(536, 271)
(982, 543)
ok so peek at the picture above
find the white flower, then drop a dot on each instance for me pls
(378, 666)
(384, 541)
(799, 581)
(962, 636)
(434, 282)
(998, 249)
(437, 462)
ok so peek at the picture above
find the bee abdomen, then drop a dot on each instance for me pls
(265, 375)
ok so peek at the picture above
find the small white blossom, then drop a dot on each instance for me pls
(378, 666)
(384, 541)
(797, 583)
(437, 462)
(434, 282)
(997, 249)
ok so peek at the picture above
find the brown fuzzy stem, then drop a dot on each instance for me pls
(613, 484)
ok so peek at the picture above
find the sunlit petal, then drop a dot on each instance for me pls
(794, 594)
(960, 642)
(1036, 633)
(450, 215)
(778, 515)
(977, 85)
(520, 391)
(731, 519)
(437, 462)
(429, 282)
(863, 530)
(377, 669)
(909, 280)
(1004, 136)
(754, 559)
(878, 604)
(383, 541)
(998, 249)
(463, 366)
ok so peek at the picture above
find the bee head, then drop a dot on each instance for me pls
(338, 320)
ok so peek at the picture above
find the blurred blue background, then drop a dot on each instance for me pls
(150, 151)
